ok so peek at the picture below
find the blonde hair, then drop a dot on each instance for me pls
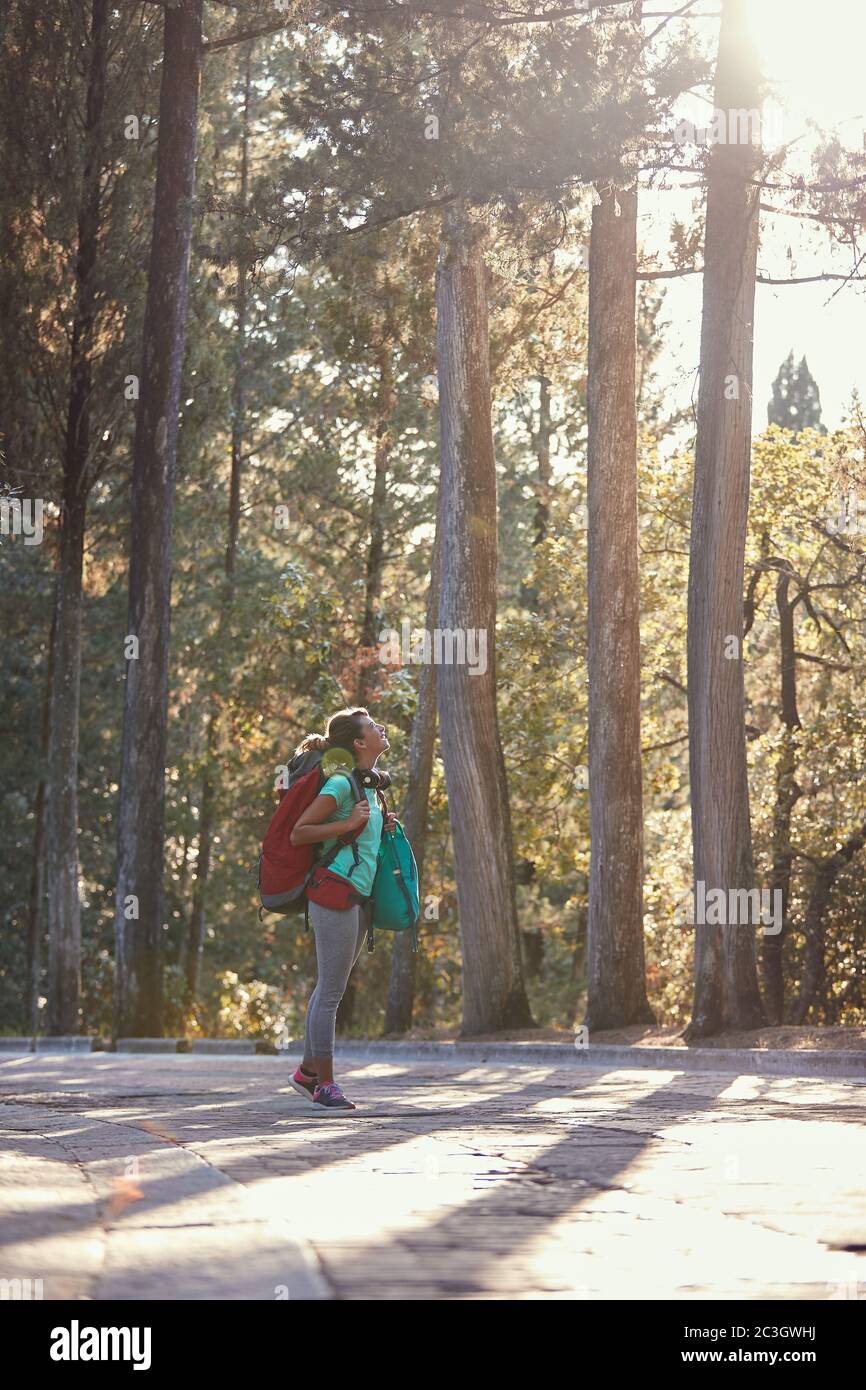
(342, 730)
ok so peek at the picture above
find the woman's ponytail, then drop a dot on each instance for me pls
(343, 728)
(313, 741)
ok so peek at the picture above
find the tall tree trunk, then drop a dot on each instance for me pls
(578, 955)
(726, 982)
(541, 438)
(616, 987)
(386, 397)
(61, 799)
(61, 838)
(532, 938)
(36, 914)
(494, 994)
(541, 442)
(239, 380)
(385, 401)
(141, 814)
(210, 784)
(15, 456)
(787, 794)
(401, 986)
(206, 819)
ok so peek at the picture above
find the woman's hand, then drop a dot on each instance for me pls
(359, 815)
(390, 822)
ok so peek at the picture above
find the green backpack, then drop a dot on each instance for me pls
(396, 902)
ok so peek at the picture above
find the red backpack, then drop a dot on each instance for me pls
(284, 869)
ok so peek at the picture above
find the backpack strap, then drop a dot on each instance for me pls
(360, 792)
(356, 857)
(360, 795)
(341, 841)
(398, 874)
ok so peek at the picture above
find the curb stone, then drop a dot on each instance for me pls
(849, 1063)
(75, 1042)
(753, 1061)
(245, 1047)
(70, 1043)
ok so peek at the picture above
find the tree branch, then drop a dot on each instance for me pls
(822, 661)
(759, 279)
(469, 13)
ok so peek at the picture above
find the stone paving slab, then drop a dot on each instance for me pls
(114, 1208)
(191, 1176)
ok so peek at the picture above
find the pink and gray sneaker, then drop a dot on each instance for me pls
(305, 1085)
(330, 1097)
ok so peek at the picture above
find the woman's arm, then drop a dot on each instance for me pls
(309, 827)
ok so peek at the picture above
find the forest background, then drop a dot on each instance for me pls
(307, 487)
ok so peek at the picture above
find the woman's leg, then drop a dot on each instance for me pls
(365, 913)
(308, 1065)
(339, 942)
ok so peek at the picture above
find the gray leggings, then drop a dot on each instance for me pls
(340, 940)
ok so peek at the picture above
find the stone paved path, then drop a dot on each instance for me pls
(195, 1177)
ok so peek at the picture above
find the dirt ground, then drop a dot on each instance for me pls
(841, 1039)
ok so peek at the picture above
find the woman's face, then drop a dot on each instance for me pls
(375, 738)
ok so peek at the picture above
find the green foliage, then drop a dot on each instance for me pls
(249, 1009)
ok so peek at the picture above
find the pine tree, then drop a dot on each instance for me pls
(796, 400)
(493, 985)
(141, 809)
(615, 946)
(64, 910)
(726, 982)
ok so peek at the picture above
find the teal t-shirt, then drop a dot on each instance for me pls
(367, 842)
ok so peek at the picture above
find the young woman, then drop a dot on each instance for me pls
(339, 935)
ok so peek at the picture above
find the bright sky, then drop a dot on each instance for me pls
(814, 55)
